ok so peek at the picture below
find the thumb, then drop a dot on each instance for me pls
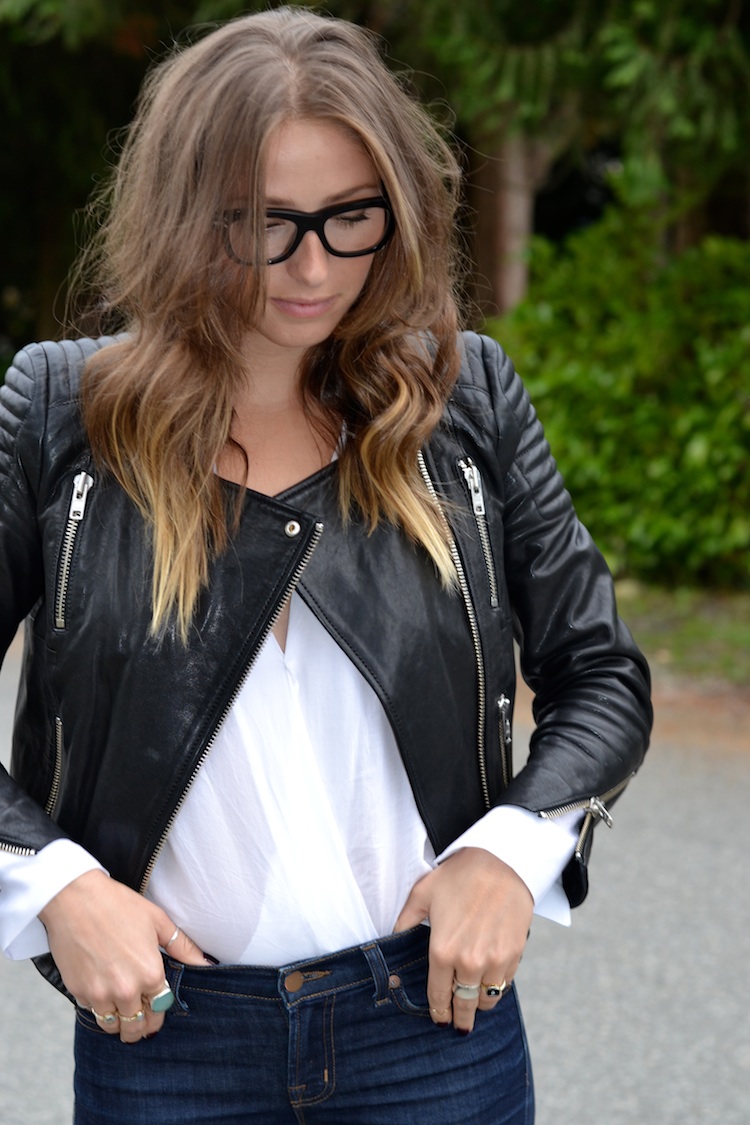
(182, 948)
(415, 910)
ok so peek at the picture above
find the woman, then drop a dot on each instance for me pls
(272, 545)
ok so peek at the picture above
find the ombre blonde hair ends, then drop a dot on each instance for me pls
(158, 403)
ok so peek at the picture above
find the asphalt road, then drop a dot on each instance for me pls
(637, 1015)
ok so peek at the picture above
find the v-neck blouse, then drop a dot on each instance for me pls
(300, 834)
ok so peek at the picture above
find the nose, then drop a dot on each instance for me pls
(310, 261)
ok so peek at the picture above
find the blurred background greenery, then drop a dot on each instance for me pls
(607, 230)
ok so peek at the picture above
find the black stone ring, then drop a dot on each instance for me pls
(494, 990)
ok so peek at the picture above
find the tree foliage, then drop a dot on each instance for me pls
(637, 364)
(678, 78)
(666, 80)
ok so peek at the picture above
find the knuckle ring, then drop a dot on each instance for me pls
(108, 1018)
(139, 1015)
(162, 1001)
(174, 937)
(494, 989)
(465, 991)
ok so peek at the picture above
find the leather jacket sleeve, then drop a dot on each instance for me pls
(24, 827)
(35, 433)
(592, 709)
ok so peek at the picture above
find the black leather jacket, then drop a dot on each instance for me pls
(112, 724)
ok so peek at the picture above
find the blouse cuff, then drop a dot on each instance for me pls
(537, 849)
(27, 884)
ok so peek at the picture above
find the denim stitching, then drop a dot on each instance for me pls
(232, 995)
(331, 1082)
(408, 1007)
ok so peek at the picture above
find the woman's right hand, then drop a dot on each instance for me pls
(105, 940)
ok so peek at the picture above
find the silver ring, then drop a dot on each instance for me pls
(493, 989)
(109, 1017)
(137, 1018)
(174, 937)
(465, 991)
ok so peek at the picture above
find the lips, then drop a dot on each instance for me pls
(303, 309)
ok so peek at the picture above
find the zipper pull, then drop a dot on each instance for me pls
(81, 487)
(506, 739)
(503, 705)
(474, 482)
(598, 809)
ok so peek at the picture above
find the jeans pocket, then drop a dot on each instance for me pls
(410, 994)
(174, 972)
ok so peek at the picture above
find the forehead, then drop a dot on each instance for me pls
(311, 163)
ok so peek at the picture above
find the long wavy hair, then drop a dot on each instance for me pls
(158, 403)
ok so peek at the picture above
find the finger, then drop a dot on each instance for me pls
(133, 1022)
(440, 991)
(106, 1018)
(415, 909)
(465, 1008)
(130, 1026)
(468, 967)
(410, 916)
(133, 1013)
(131, 998)
(182, 948)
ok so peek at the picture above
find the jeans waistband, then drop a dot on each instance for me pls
(373, 962)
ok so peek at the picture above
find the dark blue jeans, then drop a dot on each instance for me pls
(344, 1039)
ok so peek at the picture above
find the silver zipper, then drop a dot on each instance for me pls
(473, 625)
(17, 849)
(81, 487)
(476, 495)
(596, 809)
(288, 590)
(506, 737)
(54, 790)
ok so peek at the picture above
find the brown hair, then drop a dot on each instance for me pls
(158, 404)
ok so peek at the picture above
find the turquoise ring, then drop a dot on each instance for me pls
(163, 1000)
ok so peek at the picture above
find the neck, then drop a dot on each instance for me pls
(273, 425)
(272, 374)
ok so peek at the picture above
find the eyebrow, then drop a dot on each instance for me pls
(338, 197)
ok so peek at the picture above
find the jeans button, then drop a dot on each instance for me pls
(294, 981)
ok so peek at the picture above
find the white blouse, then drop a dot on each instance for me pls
(300, 834)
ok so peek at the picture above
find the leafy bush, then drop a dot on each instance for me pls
(639, 366)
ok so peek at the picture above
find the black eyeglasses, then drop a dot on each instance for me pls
(347, 230)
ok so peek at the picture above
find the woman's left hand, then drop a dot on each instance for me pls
(479, 912)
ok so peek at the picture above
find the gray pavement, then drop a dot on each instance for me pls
(637, 1015)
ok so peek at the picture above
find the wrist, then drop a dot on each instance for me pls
(81, 884)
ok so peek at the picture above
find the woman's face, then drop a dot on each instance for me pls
(311, 165)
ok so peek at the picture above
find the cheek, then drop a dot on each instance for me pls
(359, 273)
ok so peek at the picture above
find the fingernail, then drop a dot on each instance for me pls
(152, 1035)
(210, 960)
(440, 1024)
(463, 1030)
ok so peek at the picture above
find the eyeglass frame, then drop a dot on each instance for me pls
(315, 221)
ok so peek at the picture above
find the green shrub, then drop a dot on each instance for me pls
(639, 366)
